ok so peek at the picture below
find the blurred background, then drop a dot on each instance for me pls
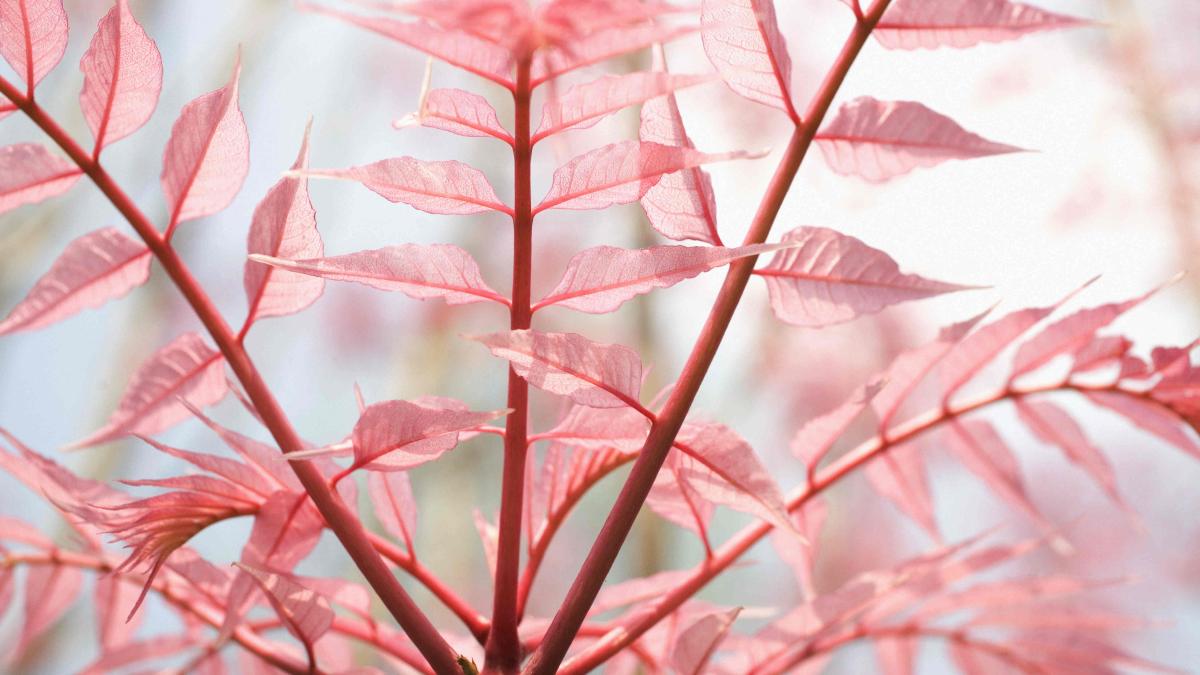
(1113, 113)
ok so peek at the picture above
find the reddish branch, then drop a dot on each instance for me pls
(341, 520)
(637, 486)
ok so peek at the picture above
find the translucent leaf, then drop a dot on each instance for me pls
(698, 641)
(419, 271)
(305, 613)
(29, 174)
(825, 277)
(1053, 425)
(122, 77)
(900, 476)
(928, 24)
(448, 187)
(208, 154)
(33, 36)
(879, 140)
(399, 435)
(601, 279)
(589, 373)
(284, 225)
(586, 104)
(459, 112)
(185, 369)
(742, 39)
(93, 269)
(394, 504)
(50, 590)
(722, 468)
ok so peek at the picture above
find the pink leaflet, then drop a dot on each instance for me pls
(896, 656)
(113, 595)
(284, 225)
(449, 188)
(185, 369)
(1150, 418)
(622, 429)
(928, 24)
(698, 641)
(50, 590)
(984, 453)
(459, 112)
(816, 438)
(423, 272)
(620, 173)
(122, 77)
(742, 39)
(720, 466)
(589, 373)
(29, 174)
(33, 37)
(93, 269)
(682, 204)
(393, 504)
(824, 277)
(208, 154)
(673, 497)
(800, 554)
(231, 470)
(879, 140)
(458, 48)
(400, 435)
(901, 477)
(1068, 335)
(305, 613)
(584, 105)
(601, 279)
(489, 537)
(1052, 425)
(600, 46)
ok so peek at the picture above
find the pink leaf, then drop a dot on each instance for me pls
(816, 438)
(286, 530)
(394, 504)
(620, 173)
(285, 225)
(673, 497)
(1053, 425)
(459, 112)
(824, 277)
(458, 48)
(742, 39)
(399, 435)
(253, 482)
(305, 613)
(896, 655)
(879, 140)
(589, 373)
(122, 77)
(114, 594)
(93, 269)
(800, 554)
(698, 641)
(722, 467)
(1149, 417)
(186, 369)
(489, 536)
(29, 174)
(448, 187)
(33, 37)
(601, 279)
(1068, 335)
(984, 453)
(419, 271)
(901, 477)
(928, 24)
(586, 104)
(622, 429)
(682, 204)
(208, 154)
(601, 45)
(50, 590)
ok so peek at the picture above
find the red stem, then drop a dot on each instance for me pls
(338, 516)
(662, 434)
(503, 649)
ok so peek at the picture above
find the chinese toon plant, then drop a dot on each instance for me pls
(682, 466)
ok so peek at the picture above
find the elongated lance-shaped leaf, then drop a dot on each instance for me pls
(976, 443)
(742, 39)
(29, 174)
(586, 104)
(1149, 417)
(880, 140)
(394, 505)
(93, 269)
(698, 640)
(459, 112)
(285, 226)
(825, 277)
(682, 205)
(601, 279)
(900, 476)
(305, 613)
(620, 173)
(448, 187)
(674, 498)
(186, 369)
(50, 590)
(816, 438)
(399, 435)
(1055, 426)
(419, 271)
(589, 373)
(458, 48)
(208, 155)
(602, 45)
(122, 77)
(33, 37)
(928, 24)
